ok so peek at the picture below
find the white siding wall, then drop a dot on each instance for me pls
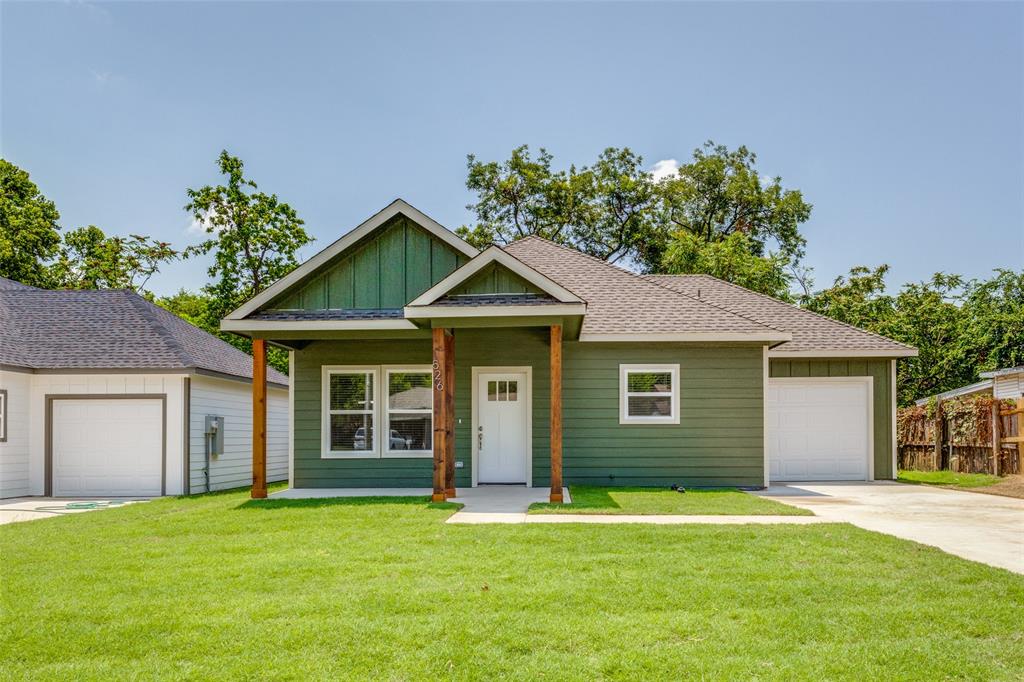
(233, 401)
(14, 453)
(170, 385)
(1010, 386)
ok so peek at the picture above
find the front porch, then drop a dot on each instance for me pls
(452, 463)
(481, 500)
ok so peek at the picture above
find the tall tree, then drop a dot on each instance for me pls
(29, 234)
(91, 260)
(607, 210)
(255, 239)
(721, 192)
(731, 259)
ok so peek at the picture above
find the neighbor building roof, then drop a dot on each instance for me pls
(813, 334)
(109, 329)
(12, 285)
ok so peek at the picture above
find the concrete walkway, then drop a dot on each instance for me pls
(984, 528)
(18, 509)
(648, 519)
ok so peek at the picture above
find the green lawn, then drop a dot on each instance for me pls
(219, 587)
(588, 499)
(949, 478)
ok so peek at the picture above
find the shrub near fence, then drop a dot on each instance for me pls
(958, 435)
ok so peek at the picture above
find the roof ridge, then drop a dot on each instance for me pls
(644, 279)
(795, 307)
(146, 310)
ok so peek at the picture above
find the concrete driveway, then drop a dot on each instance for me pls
(984, 528)
(32, 508)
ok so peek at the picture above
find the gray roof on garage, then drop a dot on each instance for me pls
(109, 329)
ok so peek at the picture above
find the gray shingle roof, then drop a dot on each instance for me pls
(13, 285)
(622, 302)
(811, 331)
(472, 300)
(110, 329)
(328, 314)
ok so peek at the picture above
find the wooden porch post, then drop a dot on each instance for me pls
(449, 422)
(440, 387)
(556, 413)
(259, 419)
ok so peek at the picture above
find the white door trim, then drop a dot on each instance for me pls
(868, 381)
(528, 371)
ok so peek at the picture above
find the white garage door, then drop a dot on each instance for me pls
(819, 429)
(107, 447)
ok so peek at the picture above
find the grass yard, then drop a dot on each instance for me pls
(588, 499)
(218, 586)
(949, 478)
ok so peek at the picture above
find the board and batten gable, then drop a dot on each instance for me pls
(719, 440)
(389, 268)
(233, 401)
(882, 413)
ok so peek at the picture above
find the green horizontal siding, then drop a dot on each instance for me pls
(719, 440)
(388, 269)
(878, 370)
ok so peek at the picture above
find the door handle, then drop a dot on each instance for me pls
(480, 438)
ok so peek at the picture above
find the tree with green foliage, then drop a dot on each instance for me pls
(731, 259)
(255, 239)
(607, 210)
(91, 260)
(29, 234)
(721, 193)
(959, 327)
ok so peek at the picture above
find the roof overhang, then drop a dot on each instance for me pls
(426, 312)
(494, 254)
(398, 206)
(633, 337)
(261, 326)
(970, 389)
(1009, 371)
(895, 353)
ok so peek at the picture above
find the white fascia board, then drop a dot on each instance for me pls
(903, 353)
(494, 254)
(688, 336)
(434, 311)
(312, 325)
(365, 228)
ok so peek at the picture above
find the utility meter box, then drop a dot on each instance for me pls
(215, 434)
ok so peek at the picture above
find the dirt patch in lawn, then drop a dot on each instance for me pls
(1010, 486)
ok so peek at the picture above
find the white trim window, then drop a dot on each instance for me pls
(349, 410)
(3, 415)
(409, 412)
(649, 394)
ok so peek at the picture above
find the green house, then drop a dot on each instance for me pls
(417, 361)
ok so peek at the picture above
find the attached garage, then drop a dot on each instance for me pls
(107, 446)
(820, 429)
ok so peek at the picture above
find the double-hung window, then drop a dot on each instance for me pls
(349, 403)
(371, 412)
(648, 394)
(409, 415)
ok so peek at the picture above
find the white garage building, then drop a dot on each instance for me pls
(103, 394)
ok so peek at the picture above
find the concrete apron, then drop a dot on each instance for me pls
(984, 528)
(19, 509)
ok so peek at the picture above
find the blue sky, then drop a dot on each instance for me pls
(902, 123)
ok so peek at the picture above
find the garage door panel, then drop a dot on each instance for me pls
(818, 429)
(107, 447)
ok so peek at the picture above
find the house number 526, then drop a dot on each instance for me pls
(438, 384)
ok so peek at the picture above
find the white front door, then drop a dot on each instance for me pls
(819, 429)
(501, 427)
(107, 447)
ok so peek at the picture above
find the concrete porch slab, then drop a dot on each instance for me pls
(321, 493)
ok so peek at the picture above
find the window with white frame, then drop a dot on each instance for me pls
(349, 405)
(409, 413)
(648, 394)
(377, 411)
(3, 415)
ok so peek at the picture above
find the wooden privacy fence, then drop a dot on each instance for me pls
(968, 435)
